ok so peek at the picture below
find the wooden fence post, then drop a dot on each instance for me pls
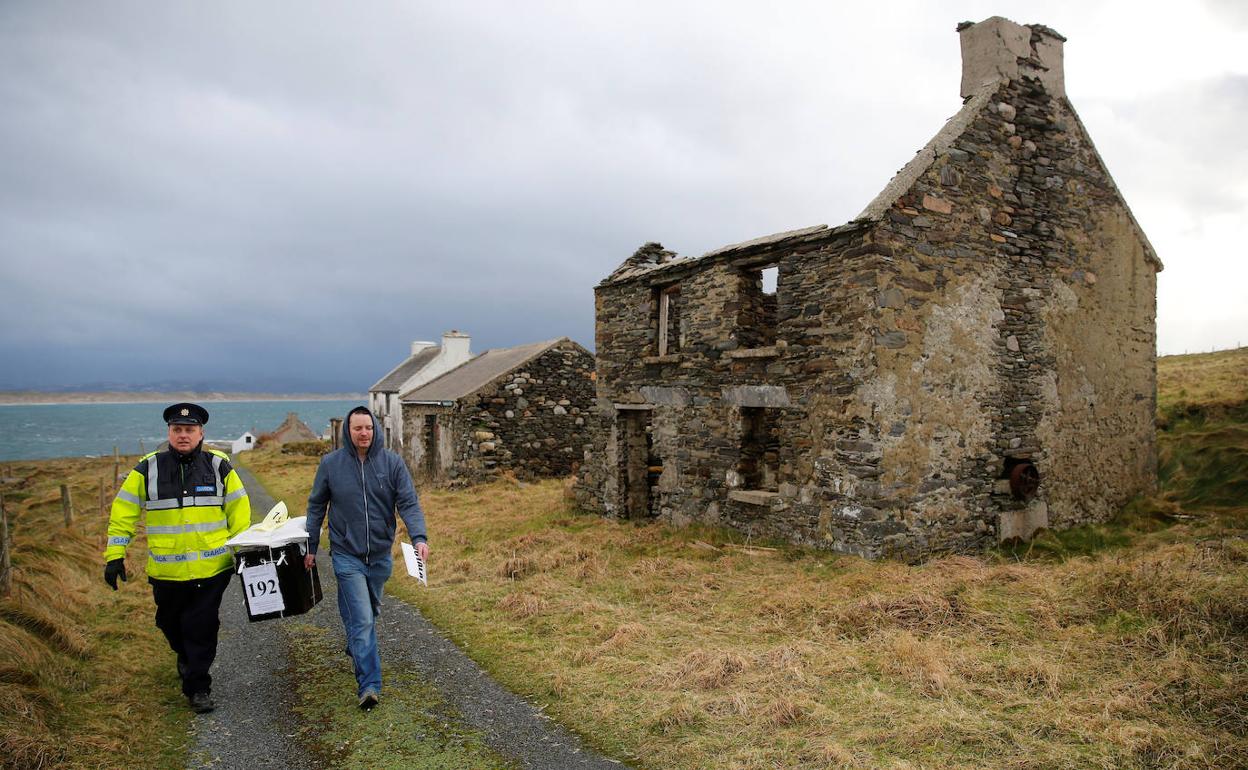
(102, 509)
(116, 467)
(67, 505)
(335, 433)
(6, 572)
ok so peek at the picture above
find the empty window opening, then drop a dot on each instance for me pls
(430, 442)
(756, 318)
(771, 279)
(760, 448)
(669, 308)
(639, 467)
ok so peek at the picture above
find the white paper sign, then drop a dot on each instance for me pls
(415, 564)
(264, 595)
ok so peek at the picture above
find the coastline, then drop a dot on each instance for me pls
(34, 398)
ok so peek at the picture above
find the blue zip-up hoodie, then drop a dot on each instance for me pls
(363, 496)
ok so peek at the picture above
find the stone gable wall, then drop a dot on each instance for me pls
(530, 422)
(1003, 310)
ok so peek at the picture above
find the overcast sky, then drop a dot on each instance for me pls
(285, 194)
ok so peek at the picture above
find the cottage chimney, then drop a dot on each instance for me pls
(419, 345)
(997, 48)
(455, 346)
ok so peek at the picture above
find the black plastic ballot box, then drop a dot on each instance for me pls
(274, 581)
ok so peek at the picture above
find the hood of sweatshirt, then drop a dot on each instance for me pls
(379, 438)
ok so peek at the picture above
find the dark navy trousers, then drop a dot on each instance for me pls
(187, 611)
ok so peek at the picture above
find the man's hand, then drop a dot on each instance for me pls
(113, 570)
(309, 561)
(422, 550)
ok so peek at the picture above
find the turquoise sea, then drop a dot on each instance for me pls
(29, 432)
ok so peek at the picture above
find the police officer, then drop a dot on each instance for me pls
(194, 502)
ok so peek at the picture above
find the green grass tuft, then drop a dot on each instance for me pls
(411, 729)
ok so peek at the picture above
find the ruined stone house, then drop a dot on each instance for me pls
(292, 429)
(970, 359)
(521, 410)
(425, 362)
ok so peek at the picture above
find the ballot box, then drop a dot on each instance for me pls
(269, 563)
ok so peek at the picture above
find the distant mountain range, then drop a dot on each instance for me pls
(273, 385)
(10, 397)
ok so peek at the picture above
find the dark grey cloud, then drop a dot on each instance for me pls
(295, 190)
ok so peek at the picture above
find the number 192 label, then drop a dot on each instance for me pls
(264, 595)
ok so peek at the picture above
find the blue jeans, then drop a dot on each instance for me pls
(359, 603)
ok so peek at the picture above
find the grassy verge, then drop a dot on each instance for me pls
(1121, 645)
(86, 679)
(1117, 645)
(411, 728)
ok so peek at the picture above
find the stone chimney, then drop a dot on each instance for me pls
(997, 48)
(455, 346)
(419, 345)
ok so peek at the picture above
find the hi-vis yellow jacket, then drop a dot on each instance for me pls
(194, 503)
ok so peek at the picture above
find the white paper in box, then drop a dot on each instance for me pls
(292, 531)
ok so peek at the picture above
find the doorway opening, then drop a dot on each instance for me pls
(760, 448)
(639, 467)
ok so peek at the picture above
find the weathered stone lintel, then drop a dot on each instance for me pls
(753, 496)
(1022, 524)
(771, 351)
(670, 358)
(756, 395)
(665, 396)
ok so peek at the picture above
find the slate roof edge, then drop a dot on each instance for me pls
(406, 398)
(910, 173)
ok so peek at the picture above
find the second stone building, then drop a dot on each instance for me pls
(520, 410)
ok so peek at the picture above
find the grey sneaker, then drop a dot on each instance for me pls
(369, 699)
(201, 703)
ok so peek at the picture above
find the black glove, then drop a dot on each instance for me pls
(115, 568)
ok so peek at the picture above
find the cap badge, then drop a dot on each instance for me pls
(185, 412)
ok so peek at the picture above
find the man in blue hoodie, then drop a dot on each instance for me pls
(363, 484)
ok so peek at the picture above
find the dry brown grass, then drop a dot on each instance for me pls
(1209, 381)
(1123, 646)
(682, 656)
(78, 662)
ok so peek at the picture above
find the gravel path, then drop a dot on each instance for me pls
(252, 694)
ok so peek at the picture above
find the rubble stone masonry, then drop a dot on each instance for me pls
(530, 421)
(997, 311)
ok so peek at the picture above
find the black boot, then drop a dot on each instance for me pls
(201, 703)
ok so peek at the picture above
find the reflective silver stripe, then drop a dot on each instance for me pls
(128, 497)
(177, 529)
(164, 505)
(240, 492)
(119, 541)
(173, 558)
(207, 526)
(216, 473)
(152, 475)
(170, 558)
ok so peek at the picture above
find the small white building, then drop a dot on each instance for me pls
(243, 443)
(426, 362)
